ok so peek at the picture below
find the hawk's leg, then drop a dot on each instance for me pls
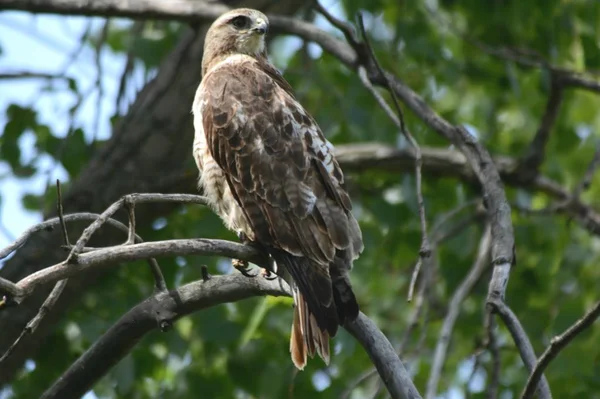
(243, 267)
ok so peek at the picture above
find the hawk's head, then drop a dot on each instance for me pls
(240, 31)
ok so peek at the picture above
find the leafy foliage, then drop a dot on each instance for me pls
(241, 350)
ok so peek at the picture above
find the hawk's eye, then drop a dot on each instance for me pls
(240, 22)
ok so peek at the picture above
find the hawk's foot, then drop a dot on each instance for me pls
(243, 267)
(267, 274)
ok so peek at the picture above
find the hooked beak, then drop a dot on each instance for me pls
(261, 27)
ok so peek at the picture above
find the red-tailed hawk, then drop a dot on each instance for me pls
(270, 174)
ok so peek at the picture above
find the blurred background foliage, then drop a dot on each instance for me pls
(241, 350)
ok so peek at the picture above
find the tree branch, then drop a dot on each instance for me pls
(384, 357)
(520, 338)
(441, 349)
(163, 308)
(535, 154)
(157, 312)
(556, 345)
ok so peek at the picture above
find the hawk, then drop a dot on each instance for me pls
(270, 174)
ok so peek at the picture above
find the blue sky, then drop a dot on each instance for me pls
(45, 44)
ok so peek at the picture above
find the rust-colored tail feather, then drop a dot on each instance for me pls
(306, 338)
(322, 302)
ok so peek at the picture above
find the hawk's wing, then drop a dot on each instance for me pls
(282, 172)
(278, 164)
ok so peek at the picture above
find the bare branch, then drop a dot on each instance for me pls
(492, 345)
(56, 291)
(556, 345)
(520, 338)
(535, 154)
(130, 199)
(35, 322)
(185, 10)
(157, 312)
(61, 216)
(30, 75)
(398, 119)
(580, 81)
(585, 182)
(384, 357)
(441, 349)
(15, 292)
(163, 308)
(526, 57)
(103, 257)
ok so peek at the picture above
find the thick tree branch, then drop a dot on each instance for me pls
(148, 9)
(157, 312)
(103, 257)
(163, 308)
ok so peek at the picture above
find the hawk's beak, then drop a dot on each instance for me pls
(260, 27)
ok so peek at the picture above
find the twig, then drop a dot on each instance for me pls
(520, 338)
(49, 303)
(441, 349)
(16, 294)
(31, 75)
(33, 324)
(476, 364)
(346, 28)
(136, 30)
(61, 216)
(131, 199)
(535, 154)
(131, 214)
(492, 345)
(159, 280)
(417, 311)
(556, 345)
(585, 182)
(99, 74)
(425, 250)
(10, 288)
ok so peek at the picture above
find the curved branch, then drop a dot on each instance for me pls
(384, 357)
(162, 309)
(103, 257)
(157, 312)
(556, 345)
(519, 336)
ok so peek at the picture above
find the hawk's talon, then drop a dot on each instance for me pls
(242, 267)
(267, 274)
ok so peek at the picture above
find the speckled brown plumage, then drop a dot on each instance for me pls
(270, 173)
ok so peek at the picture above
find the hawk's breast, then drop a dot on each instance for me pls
(212, 181)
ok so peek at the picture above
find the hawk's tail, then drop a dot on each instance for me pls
(320, 306)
